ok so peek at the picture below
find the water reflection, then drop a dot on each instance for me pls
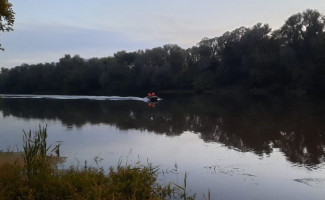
(296, 127)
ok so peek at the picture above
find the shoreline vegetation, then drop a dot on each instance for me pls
(34, 174)
(254, 60)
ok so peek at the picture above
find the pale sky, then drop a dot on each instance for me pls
(45, 30)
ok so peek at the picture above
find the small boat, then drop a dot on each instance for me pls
(153, 98)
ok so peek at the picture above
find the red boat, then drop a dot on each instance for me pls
(152, 97)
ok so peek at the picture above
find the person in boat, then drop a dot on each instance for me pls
(152, 97)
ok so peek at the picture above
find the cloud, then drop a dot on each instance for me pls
(43, 43)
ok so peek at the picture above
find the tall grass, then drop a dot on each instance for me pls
(39, 178)
(37, 155)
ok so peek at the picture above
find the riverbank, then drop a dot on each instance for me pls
(34, 174)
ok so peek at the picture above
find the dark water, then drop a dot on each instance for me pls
(236, 147)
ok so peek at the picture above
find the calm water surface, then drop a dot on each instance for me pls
(238, 148)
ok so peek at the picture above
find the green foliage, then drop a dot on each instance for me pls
(134, 182)
(36, 158)
(255, 58)
(7, 17)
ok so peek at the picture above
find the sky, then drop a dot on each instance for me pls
(46, 30)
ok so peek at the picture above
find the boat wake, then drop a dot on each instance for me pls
(73, 97)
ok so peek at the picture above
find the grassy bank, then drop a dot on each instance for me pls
(38, 177)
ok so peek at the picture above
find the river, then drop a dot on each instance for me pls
(234, 147)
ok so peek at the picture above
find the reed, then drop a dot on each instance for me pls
(37, 155)
(182, 190)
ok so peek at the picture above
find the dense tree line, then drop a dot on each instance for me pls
(255, 59)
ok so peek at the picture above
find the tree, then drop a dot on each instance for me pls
(302, 27)
(7, 17)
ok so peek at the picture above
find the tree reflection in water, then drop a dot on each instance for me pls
(294, 126)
